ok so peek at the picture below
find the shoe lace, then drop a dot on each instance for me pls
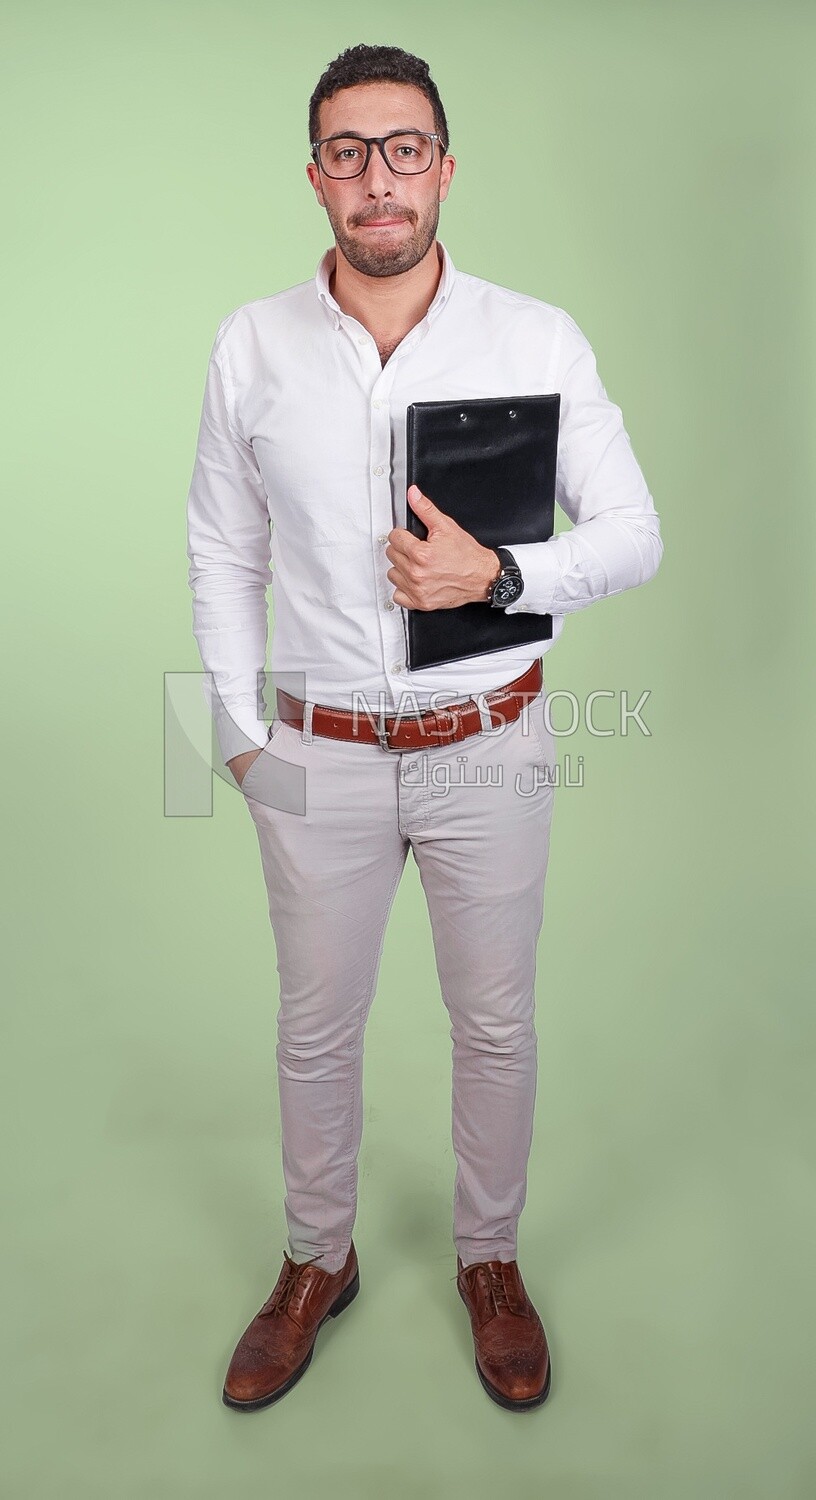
(492, 1278)
(290, 1288)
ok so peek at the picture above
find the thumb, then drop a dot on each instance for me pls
(424, 507)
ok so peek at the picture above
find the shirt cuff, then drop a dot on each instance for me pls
(540, 574)
(238, 729)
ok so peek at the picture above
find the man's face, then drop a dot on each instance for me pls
(408, 205)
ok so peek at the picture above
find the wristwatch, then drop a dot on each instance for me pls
(509, 586)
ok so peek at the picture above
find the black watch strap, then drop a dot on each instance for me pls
(509, 586)
(507, 559)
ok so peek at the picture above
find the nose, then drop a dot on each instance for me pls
(378, 179)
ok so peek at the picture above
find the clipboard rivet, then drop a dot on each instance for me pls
(463, 416)
(513, 414)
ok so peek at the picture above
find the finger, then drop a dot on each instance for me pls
(405, 545)
(423, 505)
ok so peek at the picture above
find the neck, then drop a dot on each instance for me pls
(386, 304)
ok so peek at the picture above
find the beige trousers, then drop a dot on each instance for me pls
(476, 817)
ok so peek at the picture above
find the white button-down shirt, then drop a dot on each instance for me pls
(301, 463)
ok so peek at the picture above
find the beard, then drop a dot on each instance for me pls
(380, 258)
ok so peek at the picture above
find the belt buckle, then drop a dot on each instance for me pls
(382, 735)
(382, 732)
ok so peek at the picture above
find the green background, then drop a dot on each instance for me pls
(649, 168)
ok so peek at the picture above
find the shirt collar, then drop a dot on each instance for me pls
(326, 266)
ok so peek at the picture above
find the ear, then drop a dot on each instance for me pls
(446, 176)
(313, 174)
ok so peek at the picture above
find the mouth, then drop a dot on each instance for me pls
(382, 223)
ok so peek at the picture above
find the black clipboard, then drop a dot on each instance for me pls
(490, 462)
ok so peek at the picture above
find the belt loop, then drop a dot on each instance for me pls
(306, 732)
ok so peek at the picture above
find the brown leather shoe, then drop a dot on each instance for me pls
(512, 1356)
(277, 1347)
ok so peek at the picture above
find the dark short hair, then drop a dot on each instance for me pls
(362, 64)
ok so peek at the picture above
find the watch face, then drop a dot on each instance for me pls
(507, 590)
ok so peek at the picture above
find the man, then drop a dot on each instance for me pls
(301, 461)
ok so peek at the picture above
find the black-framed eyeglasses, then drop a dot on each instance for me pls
(406, 152)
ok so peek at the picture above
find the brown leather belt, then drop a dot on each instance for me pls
(436, 726)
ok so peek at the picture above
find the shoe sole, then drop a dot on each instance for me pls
(527, 1404)
(342, 1302)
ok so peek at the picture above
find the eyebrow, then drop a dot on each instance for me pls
(357, 135)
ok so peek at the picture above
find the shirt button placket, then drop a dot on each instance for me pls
(381, 496)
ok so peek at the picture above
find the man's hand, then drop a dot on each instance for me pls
(449, 568)
(240, 764)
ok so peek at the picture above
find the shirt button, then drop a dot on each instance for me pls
(377, 403)
(390, 604)
(382, 539)
(397, 667)
(362, 340)
(378, 469)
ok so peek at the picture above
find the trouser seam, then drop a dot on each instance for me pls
(356, 1067)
